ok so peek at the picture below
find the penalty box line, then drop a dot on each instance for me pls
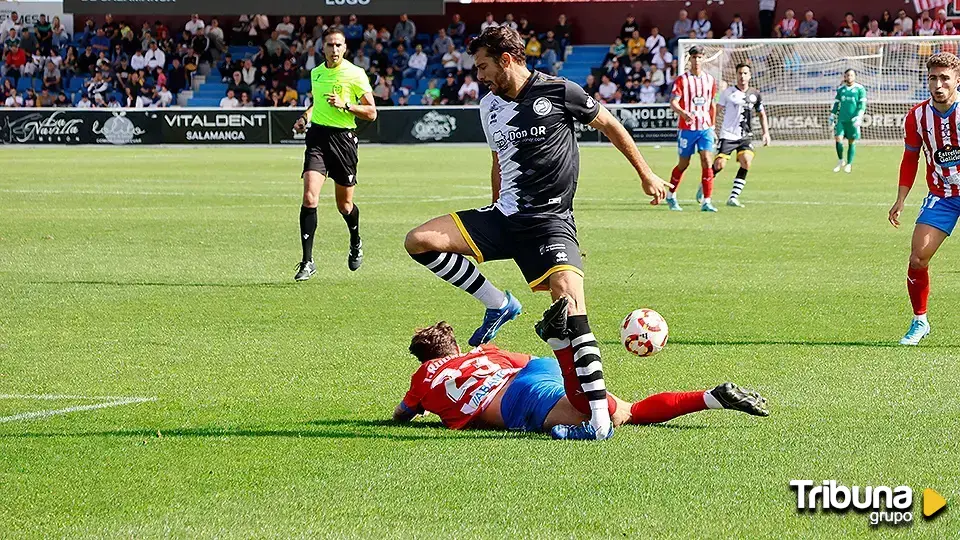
(104, 402)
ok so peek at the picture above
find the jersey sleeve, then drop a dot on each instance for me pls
(861, 101)
(583, 107)
(411, 400)
(911, 133)
(361, 85)
(836, 101)
(758, 106)
(484, 113)
(677, 87)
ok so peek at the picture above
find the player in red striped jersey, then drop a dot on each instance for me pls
(693, 100)
(495, 389)
(933, 127)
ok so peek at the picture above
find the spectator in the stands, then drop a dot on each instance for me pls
(9, 38)
(655, 42)
(129, 43)
(897, 30)
(736, 27)
(51, 78)
(44, 31)
(702, 25)
(417, 64)
(195, 25)
(628, 27)
(469, 93)
(13, 99)
(88, 60)
(432, 95)
(14, 62)
(379, 59)
(191, 62)
(309, 60)
(146, 98)
(69, 64)
(218, 44)
(873, 29)
(488, 22)
(939, 21)
(30, 45)
(352, 32)
(809, 26)
(663, 59)
(617, 73)
(361, 60)
(509, 22)
(467, 65)
(30, 98)
(85, 35)
(382, 91)
(449, 94)
(648, 92)
(564, 34)
(849, 27)
(288, 74)
(886, 22)
(766, 15)
(60, 34)
(657, 78)
(551, 52)
(290, 97)
(274, 42)
(85, 102)
(155, 58)
(457, 29)
(62, 101)
(138, 61)
(227, 67)
(122, 73)
(681, 27)
(383, 36)
(237, 84)
(788, 26)
(284, 30)
(635, 44)
(229, 101)
(524, 27)
(440, 45)
(906, 23)
(100, 42)
(369, 36)
(451, 60)
(110, 28)
(949, 29)
(617, 50)
(924, 25)
(13, 22)
(164, 96)
(248, 73)
(244, 101)
(590, 87)
(606, 90)
(404, 32)
(97, 85)
(401, 59)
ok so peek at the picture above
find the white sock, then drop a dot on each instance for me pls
(671, 196)
(706, 200)
(921, 318)
(491, 296)
(600, 417)
(710, 401)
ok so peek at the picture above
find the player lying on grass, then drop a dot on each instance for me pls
(495, 389)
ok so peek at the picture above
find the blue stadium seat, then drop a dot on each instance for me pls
(423, 85)
(203, 102)
(409, 83)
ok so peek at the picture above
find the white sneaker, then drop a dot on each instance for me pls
(848, 168)
(839, 166)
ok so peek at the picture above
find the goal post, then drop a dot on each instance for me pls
(798, 78)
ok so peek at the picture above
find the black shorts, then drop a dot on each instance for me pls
(728, 147)
(540, 245)
(333, 153)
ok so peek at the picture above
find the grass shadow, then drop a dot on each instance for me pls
(807, 343)
(161, 284)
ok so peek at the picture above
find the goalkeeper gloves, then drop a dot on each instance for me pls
(857, 120)
(832, 120)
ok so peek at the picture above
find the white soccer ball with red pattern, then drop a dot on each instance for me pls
(643, 332)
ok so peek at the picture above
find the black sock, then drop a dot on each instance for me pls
(738, 183)
(353, 224)
(308, 227)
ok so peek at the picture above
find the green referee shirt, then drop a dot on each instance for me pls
(347, 81)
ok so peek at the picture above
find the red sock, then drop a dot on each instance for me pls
(918, 285)
(571, 384)
(706, 180)
(666, 406)
(675, 177)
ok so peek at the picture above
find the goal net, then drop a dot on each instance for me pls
(798, 79)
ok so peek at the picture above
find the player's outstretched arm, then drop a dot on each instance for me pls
(402, 414)
(653, 185)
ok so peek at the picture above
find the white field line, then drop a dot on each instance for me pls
(113, 401)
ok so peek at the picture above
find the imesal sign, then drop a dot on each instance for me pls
(239, 7)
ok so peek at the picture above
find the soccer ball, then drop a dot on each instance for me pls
(643, 332)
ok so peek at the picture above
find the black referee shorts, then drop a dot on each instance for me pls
(333, 153)
(541, 245)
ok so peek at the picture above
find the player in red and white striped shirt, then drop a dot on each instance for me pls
(933, 127)
(693, 100)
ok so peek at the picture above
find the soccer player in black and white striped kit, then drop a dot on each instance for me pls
(736, 135)
(529, 121)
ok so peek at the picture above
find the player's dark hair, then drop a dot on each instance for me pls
(433, 342)
(331, 31)
(742, 65)
(848, 71)
(944, 59)
(498, 40)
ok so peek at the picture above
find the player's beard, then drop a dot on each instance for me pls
(499, 84)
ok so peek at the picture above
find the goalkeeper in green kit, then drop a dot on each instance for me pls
(846, 117)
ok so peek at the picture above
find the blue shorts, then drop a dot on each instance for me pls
(690, 142)
(940, 213)
(532, 394)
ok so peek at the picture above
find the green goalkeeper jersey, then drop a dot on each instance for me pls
(850, 102)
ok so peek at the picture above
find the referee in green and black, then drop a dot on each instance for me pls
(341, 93)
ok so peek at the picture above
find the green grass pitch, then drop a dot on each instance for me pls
(167, 273)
